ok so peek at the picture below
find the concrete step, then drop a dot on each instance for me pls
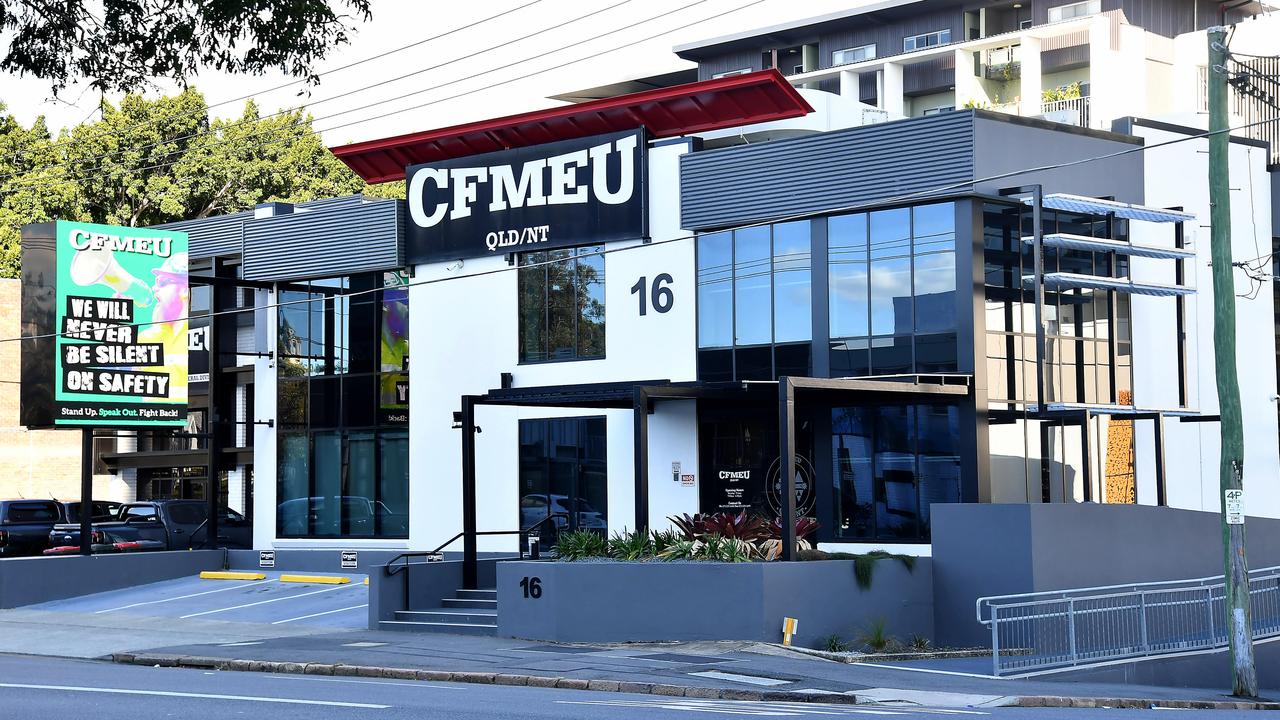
(469, 603)
(438, 627)
(488, 594)
(470, 616)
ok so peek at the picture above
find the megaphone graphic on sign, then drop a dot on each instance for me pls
(97, 266)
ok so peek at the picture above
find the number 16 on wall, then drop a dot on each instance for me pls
(660, 295)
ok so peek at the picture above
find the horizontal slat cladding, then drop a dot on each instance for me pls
(330, 242)
(824, 172)
(216, 236)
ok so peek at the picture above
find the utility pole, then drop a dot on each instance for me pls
(1239, 625)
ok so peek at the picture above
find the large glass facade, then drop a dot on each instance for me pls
(892, 291)
(562, 304)
(755, 306)
(890, 463)
(343, 408)
(1088, 350)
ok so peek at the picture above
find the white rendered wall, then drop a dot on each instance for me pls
(1178, 175)
(464, 335)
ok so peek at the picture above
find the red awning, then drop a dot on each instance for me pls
(665, 112)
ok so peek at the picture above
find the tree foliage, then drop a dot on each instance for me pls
(123, 44)
(153, 161)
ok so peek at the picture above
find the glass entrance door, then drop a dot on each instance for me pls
(563, 476)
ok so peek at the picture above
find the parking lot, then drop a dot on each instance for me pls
(270, 601)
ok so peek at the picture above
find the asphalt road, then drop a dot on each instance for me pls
(37, 688)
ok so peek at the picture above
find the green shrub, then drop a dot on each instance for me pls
(580, 544)
(680, 550)
(630, 546)
(834, 644)
(875, 636)
(663, 540)
(920, 643)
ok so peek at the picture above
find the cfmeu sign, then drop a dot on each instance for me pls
(558, 194)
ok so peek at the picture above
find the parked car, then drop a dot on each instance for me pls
(25, 526)
(353, 515)
(108, 541)
(177, 524)
(534, 508)
(103, 510)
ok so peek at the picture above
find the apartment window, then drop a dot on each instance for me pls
(1075, 10)
(731, 73)
(938, 110)
(562, 305)
(755, 310)
(920, 42)
(853, 54)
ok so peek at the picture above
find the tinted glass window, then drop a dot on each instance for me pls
(561, 305)
(33, 513)
(140, 512)
(715, 290)
(752, 283)
(847, 273)
(792, 300)
(187, 513)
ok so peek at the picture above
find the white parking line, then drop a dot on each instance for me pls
(183, 597)
(326, 612)
(200, 696)
(265, 602)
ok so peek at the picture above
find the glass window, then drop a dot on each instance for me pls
(563, 475)
(752, 283)
(792, 300)
(853, 55)
(933, 228)
(342, 376)
(890, 251)
(731, 73)
(851, 448)
(847, 276)
(715, 290)
(1075, 10)
(920, 42)
(561, 305)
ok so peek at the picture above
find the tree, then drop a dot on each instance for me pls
(148, 162)
(124, 44)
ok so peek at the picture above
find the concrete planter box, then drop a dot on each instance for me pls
(653, 601)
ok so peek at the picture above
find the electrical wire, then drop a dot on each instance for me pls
(930, 193)
(340, 68)
(355, 91)
(123, 171)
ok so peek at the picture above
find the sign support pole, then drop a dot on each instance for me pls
(1239, 630)
(86, 491)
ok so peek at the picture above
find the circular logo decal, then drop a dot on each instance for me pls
(805, 494)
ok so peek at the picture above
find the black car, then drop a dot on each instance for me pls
(176, 524)
(25, 526)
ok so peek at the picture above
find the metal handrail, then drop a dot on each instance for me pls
(1051, 595)
(393, 568)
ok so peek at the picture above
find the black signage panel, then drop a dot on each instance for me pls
(558, 194)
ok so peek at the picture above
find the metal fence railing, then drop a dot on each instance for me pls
(1047, 630)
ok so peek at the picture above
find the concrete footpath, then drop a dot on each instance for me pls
(726, 670)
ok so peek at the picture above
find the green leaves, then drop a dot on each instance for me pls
(124, 44)
(147, 162)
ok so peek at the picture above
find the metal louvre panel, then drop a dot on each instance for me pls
(216, 236)
(1081, 242)
(325, 242)
(824, 172)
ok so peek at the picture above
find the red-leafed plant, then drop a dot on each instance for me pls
(742, 526)
(805, 527)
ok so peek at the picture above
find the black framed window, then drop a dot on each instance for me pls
(561, 305)
(564, 475)
(891, 463)
(892, 291)
(755, 302)
(343, 408)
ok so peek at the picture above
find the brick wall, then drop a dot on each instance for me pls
(36, 463)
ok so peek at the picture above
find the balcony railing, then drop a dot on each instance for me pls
(1060, 110)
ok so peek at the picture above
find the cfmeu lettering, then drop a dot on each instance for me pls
(85, 240)
(548, 181)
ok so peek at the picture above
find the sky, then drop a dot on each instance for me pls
(473, 74)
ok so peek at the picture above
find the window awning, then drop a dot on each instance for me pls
(1075, 281)
(1096, 206)
(665, 112)
(1083, 242)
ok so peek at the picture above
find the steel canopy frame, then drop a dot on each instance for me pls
(639, 397)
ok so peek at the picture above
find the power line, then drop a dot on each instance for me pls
(935, 193)
(590, 56)
(300, 108)
(340, 68)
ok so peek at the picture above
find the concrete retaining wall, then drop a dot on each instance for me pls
(429, 583)
(981, 550)
(27, 581)
(614, 602)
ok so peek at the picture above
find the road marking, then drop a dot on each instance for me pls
(198, 696)
(760, 709)
(180, 597)
(734, 677)
(264, 602)
(364, 644)
(326, 612)
(435, 686)
(242, 644)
